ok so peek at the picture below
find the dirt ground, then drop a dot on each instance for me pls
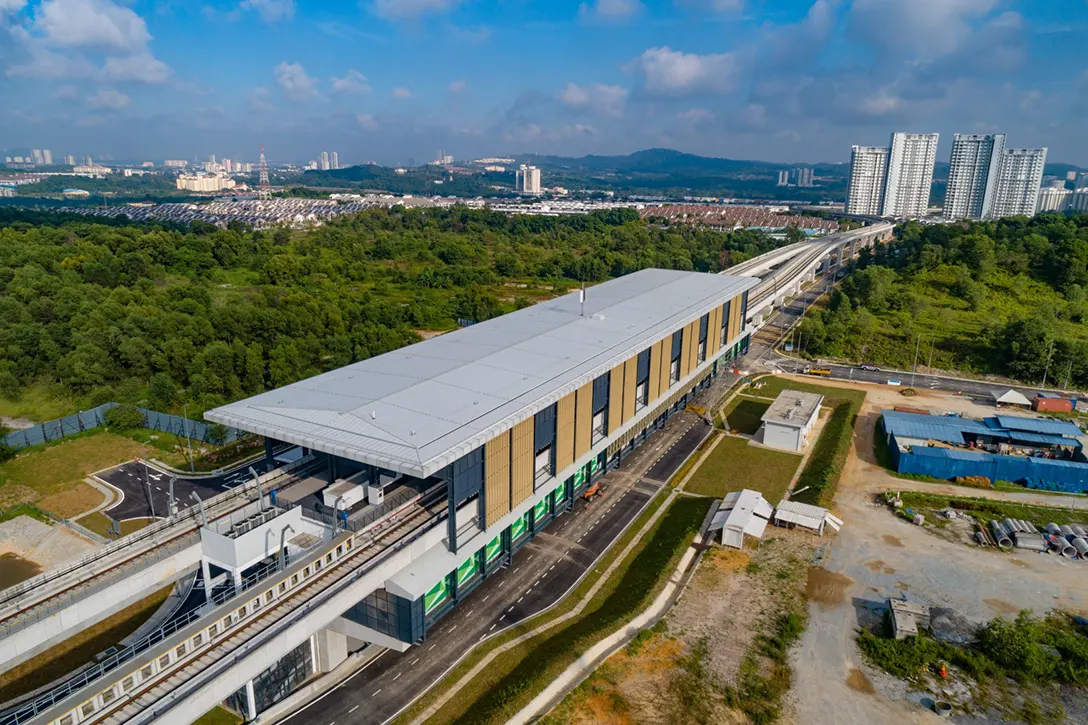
(877, 556)
(45, 545)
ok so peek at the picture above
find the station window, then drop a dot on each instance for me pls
(641, 392)
(145, 673)
(282, 587)
(67, 719)
(328, 558)
(213, 630)
(702, 351)
(348, 544)
(542, 467)
(179, 651)
(255, 604)
(128, 683)
(108, 696)
(674, 372)
(241, 613)
(197, 640)
(164, 662)
(88, 708)
(294, 579)
(598, 426)
(268, 596)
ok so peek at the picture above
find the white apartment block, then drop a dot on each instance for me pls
(868, 168)
(1079, 200)
(1052, 199)
(1017, 192)
(204, 182)
(910, 175)
(527, 179)
(972, 175)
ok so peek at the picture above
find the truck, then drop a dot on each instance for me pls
(821, 372)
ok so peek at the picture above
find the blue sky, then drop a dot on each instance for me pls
(389, 80)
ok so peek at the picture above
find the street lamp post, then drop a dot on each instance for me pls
(188, 440)
(914, 369)
(150, 496)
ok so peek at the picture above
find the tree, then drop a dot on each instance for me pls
(162, 392)
(215, 433)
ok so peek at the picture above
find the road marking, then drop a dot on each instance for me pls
(510, 609)
(414, 661)
(353, 709)
(503, 616)
(485, 598)
(453, 627)
(397, 677)
(522, 597)
(430, 648)
(516, 569)
(376, 692)
(496, 624)
(469, 613)
(552, 567)
(537, 581)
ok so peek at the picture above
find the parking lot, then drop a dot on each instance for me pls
(145, 488)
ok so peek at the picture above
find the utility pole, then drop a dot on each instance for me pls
(932, 344)
(147, 482)
(917, 345)
(188, 441)
(1046, 370)
(1068, 374)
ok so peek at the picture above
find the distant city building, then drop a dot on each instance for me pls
(175, 163)
(211, 159)
(88, 161)
(1055, 184)
(7, 191)
(312, 166)
(527, 179)
(39, 157)
(868, 169)
(47, 157)
(1018, 182)
(324, 164)
(1079, 200)
(1072, 175)
(910, 175)
(204, 182)
(76, 193)
(1054, 199)
(493, 160)
(972, 175)
(228, 166)
(148, 164)
(400, 172)
(334, 160)
(1082, 181)
(496, 169)
(70, 160)
(803, 176)
(91, 169)
(7, 160)
(783, 178)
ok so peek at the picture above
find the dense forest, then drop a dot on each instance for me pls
(163, 315)
(1006, 297)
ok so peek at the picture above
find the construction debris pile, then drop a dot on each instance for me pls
(1068, 540)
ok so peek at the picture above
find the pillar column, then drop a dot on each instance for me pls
(207, 572)
(251, 702)
(269, 460)
(236, 576)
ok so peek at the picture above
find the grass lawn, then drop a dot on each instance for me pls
(745, 415)
(99, 523)
(516, 676)
(78, 650)
(734, 465)
(52, 477)
(218, 716)
(40, 402)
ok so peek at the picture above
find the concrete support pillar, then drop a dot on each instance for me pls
(332, 649)
(251, 702)
(236, 576)
(451, 520)
(207, 572)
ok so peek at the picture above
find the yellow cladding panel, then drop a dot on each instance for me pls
(497, 484)
(521, 458)
(630, 373)
(655, 371)
(713, 332)
(564, 432)
(615, 399)
(583, 420)
(685, 350)
(666, 364)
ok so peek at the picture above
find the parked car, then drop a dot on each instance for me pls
(869, 367)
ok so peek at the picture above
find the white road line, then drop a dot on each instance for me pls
(453, 627)
(414, 661)
(496, 624)
(353, 709)
(397, 677)
(430, 648)
(485, 598)
(552, 567)
(376, 692)
(510, 609)
(519, 601)
(516, 569)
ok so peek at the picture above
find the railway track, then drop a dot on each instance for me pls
(16, 612)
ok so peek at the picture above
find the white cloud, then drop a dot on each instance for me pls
(11, 6)
(259, 100)
(366, 122)
(295, 81)
(924, 28)
(595, 98)
(411, 9)
(458, 87)
(610, 10)
(144, 68)
(44, 64)
(91, 24)
(271, 10)
(401, 93)
(353, 82)
(65, 93)
(108, 98)
(671, 72)
(695, 115)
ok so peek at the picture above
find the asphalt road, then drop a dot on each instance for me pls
(134, 479)
(922, 381)
(540, 574)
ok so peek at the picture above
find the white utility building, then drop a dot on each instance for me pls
(741, 513)
(790, 419)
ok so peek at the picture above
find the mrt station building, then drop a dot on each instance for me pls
(506, 422)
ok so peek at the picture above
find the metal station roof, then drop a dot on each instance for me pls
(1040, 425)
(417, 409)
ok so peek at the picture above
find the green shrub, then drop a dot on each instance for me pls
(124, 417)
(820, 476)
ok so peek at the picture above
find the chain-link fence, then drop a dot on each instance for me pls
(95, 417)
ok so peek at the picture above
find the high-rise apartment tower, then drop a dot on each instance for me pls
(972, 175)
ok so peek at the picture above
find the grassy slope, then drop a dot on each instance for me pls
(745, 415)
(733, 465)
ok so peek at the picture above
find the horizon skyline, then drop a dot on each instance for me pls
(797, 83)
